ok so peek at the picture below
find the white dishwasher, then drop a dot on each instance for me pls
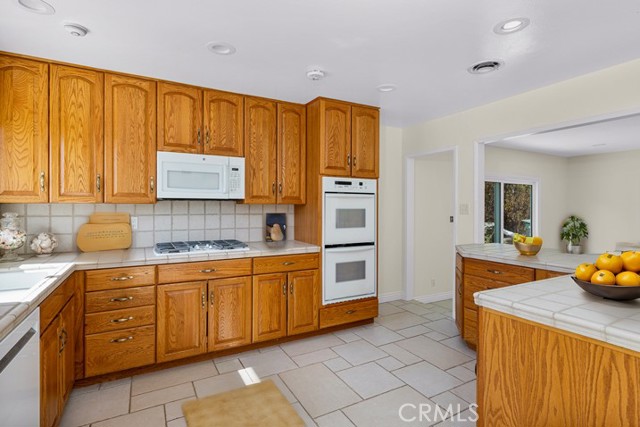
(20, 374)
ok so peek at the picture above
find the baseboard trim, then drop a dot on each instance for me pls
(435, 297)
(390, 296)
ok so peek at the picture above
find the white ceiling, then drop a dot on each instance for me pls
(620, 134)
(422, 46)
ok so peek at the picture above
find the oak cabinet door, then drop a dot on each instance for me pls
(24, 141)
(365, 134)
(459, 299)
(181, 322)
(50, 380)
(304, 296)
(291, 153)
(67, 354)
(223, 123)
(229, 313)
(130, 139)
(179, 118)
(269, 306)
(260, 150)
(335, 138)
(76, 129)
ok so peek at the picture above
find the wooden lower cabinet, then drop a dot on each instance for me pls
(302, 302)
(182, 320)
(229, 313)
(269, 306)
(57, 365)
(119, 350)
(348, 312)
(459, 302)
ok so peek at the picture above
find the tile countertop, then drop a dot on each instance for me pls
(548, 259)
(558, 302)
(63, 264)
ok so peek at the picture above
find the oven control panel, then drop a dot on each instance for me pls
(348, 185)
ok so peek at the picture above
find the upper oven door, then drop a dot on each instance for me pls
(349, 218)
(192, 176)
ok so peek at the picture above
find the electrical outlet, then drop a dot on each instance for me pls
(134, 222)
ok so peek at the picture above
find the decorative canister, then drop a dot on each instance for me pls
(44, 243)
(12, 236)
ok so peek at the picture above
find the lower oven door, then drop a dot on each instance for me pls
(349, 273)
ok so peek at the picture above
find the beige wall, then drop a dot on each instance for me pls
(552, 175)
(604, 190)
(433, 233)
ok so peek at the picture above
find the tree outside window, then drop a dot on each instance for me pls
(508, 209)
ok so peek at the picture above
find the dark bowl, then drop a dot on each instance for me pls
(614, 292)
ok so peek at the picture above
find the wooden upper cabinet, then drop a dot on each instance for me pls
(179, 118)
(223, 123)
(269, 306)
(335, 138)
(260, 150)
(303, 298)
(130, 139)
(365, 142)
(291, 153)
(76, 128)
(229, 313)
(24, 142)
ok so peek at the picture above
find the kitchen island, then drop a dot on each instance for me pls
(550, 354)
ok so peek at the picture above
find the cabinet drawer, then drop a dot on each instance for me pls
(470, 334)
(115, 278)
(279, 264)
(119, 350)
(51, 306)
(343, 313)
(474, 284)
(119, 298)
(548, 274)
(511, 274)
(119, 319)
(192, 271)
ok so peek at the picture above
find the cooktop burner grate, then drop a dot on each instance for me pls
(199, 246)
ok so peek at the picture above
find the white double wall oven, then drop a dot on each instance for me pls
(348, 239)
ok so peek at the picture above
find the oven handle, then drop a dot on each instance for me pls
(349, 246)
(351, 249)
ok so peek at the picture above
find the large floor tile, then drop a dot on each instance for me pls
(433, 352)
(386, 409)
(378, 335)
(466, 418)
(179, 422)
(334, 419)
(449, 402)
(308, 345)
(369, 380)
(466, 391)
(95, 406)
(418, 309)
(387, 309)
(359, 352)
(337, 364)
(462, 373)
(390, 363)
(282, 387)
(152, 417)
(162, 396)
(218, 384)
(319, 390)
(308, 422)
(314, 357)
(173, 376)
(173, 410)
(401, 354)
(414, 331)
(228, 366)
(457, 343)
(444, 326)
(427, 379)
(269, 363)
(347, 335)
(400, 320)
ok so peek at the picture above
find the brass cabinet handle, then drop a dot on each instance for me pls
(42, 182)
(494, 271)
(280, 188)
(354, 160)
(349, 159)
(122, 299)
(211, 297)
(199, 137)
(291, 290)
(63, 340)
(350, 311)
(208, 139)
(121, 278)
(288, 263)
(204, 299)
(121, 340)
(122, 320)
(273, 187)
(98, 182)
(284, 288)
(208, 270)
(152, 184)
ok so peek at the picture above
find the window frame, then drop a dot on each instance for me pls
(535, 201)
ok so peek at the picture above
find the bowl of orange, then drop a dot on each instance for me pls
(527, 246)
(613, 276)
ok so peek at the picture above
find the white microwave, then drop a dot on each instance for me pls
(199, 176)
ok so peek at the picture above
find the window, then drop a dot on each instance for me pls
(509, 207)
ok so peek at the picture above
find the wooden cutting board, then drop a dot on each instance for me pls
(104, 237)
(109, 218)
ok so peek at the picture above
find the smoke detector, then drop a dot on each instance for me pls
(37, 6)
(76, 30)
(485, 67)
(315, 74)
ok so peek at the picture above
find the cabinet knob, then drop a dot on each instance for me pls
(63, 340)
(122, 320)
(291, 290)
(354, 160)
(121, 299)
(208, 138)
(98, 183)
(494, 271)
(284, 288)
(121, 340)
(211, 298)
(350, 311)
(121, 278)
(199, 136)
(273, 188)
(42, 182)
(152, 184)
(280, 188)
(288, 263)
(348, 159)
(208, 270)
(204, 300)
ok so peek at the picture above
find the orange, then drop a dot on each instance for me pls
(610, 262)
(631, 261)
(603, 277)
(585, 270)
(628, 278)
(537, 240)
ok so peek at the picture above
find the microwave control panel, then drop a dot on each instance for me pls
(236, 177)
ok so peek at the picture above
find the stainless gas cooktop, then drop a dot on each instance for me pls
(199, 246)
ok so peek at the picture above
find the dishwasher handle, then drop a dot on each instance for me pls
(11, 354)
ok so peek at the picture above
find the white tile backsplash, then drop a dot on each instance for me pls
(165, 221)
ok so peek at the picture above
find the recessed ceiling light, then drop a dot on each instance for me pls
(76, 30)
(485, 67)
(316, 74)
(37, 6)
(511, 25)
(387, 87)
(221, 48)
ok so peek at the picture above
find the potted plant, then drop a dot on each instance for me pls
(574, 229)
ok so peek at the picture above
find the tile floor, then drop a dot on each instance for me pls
(411, 355)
